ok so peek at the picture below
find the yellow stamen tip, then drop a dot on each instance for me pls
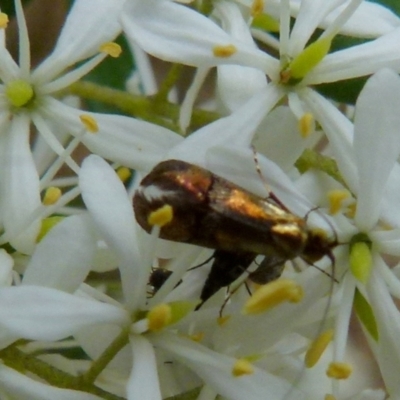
(257, 7)
(223, 320)
(112, 49)
(361, 261)
(329, 397)
(19, 92)
(89, 122)
(3, 20)
(197, 337)
(162, 216)
(317, 348)
(159, 317)
(338, 370)
(224, 51)
(124, 173)
(336, 198)
(273, 294)
(51, 196)
(242, 367)
(306, 125)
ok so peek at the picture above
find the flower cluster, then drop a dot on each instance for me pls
(260, 260)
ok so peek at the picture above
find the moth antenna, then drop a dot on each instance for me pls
(271, 194)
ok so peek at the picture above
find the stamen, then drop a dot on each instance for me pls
(112, 49)
(306, 125)
(257, 8)
(221, 321)
(161, 216)
(338, 370)
(242, 367)
(329, 397)
(317, 348)
(19, 92)
(124, 173)
(89, 122)
(273, 294)
(197, 337)
(159, 317)
(336, 198)
(361, 261)
(51, 196)
(3, 20)
(224, 51)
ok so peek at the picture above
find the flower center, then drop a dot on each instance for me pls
(19, 93)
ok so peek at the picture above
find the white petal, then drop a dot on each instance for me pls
(63, 258)
(216, 370)
(236, 129)
(339, 131)
(20, 190)
(174, 32)
(6, 266)
(88, 25)
(108, 203)
(376, 142)
(127, 141)
(356, 61)
(143, 382)
(391, 198)
(39, 313)
(21, 387)
(388, 320)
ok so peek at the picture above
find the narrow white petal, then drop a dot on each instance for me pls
(20, 189)
(64, 256)
(21, 387)
(6, 266)
(127, 141)
(39, 313)
(216, 370)
(236, 129)
(358, 61)
(376, 142)
(87, 27)
(173, 32)
(107, 201)
(143, 382)
(388, 321)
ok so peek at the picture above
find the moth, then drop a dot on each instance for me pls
(212, 212)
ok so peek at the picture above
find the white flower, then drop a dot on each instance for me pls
(367, 155)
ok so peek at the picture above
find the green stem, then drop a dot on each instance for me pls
(22, 362)
(160, 113)
(167, 84)
(109, 353)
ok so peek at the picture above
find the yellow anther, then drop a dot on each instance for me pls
(197, 337)
(162, 216)
(223, 320)
(224, 51)
(336, 198)
(273, 294)
(351, 210)
(89, 122)
(3, 20)
(112, 49)
(159, 317)
(317, 348)
(124, 173)
(306, 125)
(329, 397)
(19, 92)
(361, 261)
(338, 370)
(51, 195)
(242, 367)
(257, 7)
